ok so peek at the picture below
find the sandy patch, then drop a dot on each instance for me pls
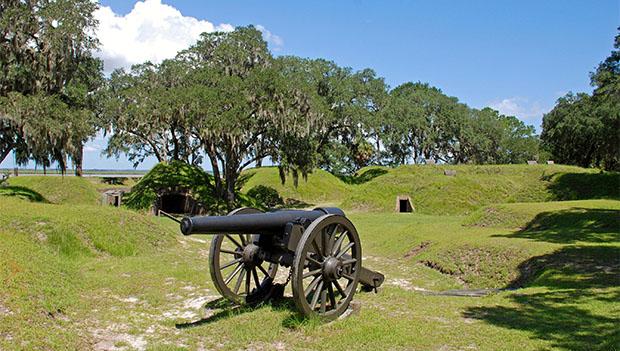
(189, 307)
(41, 237)
(115, 338)
(259, 346)
(131, 300)
(405, 284)
(5, 311)
(197, 240)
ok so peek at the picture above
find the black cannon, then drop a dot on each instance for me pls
(321, 247)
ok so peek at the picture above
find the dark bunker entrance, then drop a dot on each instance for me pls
(173, 203)
(403, 204)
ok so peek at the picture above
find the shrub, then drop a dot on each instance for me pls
(266, 196)
(165, 177)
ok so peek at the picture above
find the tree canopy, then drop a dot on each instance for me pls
(228, 102)
(47, 77)
(421, 123)
(584, 129)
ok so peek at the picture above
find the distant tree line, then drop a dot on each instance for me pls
(226, 100)
(584, 129)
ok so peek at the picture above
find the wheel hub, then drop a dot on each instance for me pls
(332, 269)
(250, 255)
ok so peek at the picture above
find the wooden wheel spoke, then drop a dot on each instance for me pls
(238, 284)
(234, 241)
(339, 288)
(262, 269)
(311, 273)
(345, 249)
(338, 244)
(316, 247)
(243, 239)
(230, 263)
(331, 240)
(309, 258)
(233, 274)
(312, 285)
(332, 297)
(323, 300)
(315, 297)
(230, 252)
(247, 281)
(349, 261)
(256, 280)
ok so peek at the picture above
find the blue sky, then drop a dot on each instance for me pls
(516, 56)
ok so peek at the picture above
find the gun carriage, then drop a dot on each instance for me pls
(321, 247)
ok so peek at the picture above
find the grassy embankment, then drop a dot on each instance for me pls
(431, 192)
(82, 276)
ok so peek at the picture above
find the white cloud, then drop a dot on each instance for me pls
(275, 40)
(522, 108)
(153, 31)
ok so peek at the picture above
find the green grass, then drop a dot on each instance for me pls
(86, 276)
(59, 190)
(82, 230)
(518, 215)
(99, 184)
(375, 188)
(43, 251)
(21, 192)
(38, 287)
(321, 188)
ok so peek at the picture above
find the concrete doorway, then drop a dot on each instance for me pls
(403, 204)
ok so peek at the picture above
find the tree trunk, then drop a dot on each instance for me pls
(259, 163)
(79, 158)
(217, 177)
(231, 180)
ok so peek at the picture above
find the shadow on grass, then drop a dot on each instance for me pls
(294, 320)
(22, 193)
(572, 267)
(364, 177)
(575, 277)
(580, 186)
(225, 309)
(573, 225)
(563, 323)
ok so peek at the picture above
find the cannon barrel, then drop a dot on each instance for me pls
(255, 223)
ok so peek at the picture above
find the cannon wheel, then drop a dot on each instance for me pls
(238, 278)
(326, 267)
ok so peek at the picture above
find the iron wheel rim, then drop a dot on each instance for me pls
(234, 279)
(330, 244)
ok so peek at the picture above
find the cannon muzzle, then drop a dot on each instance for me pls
(255, 223)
